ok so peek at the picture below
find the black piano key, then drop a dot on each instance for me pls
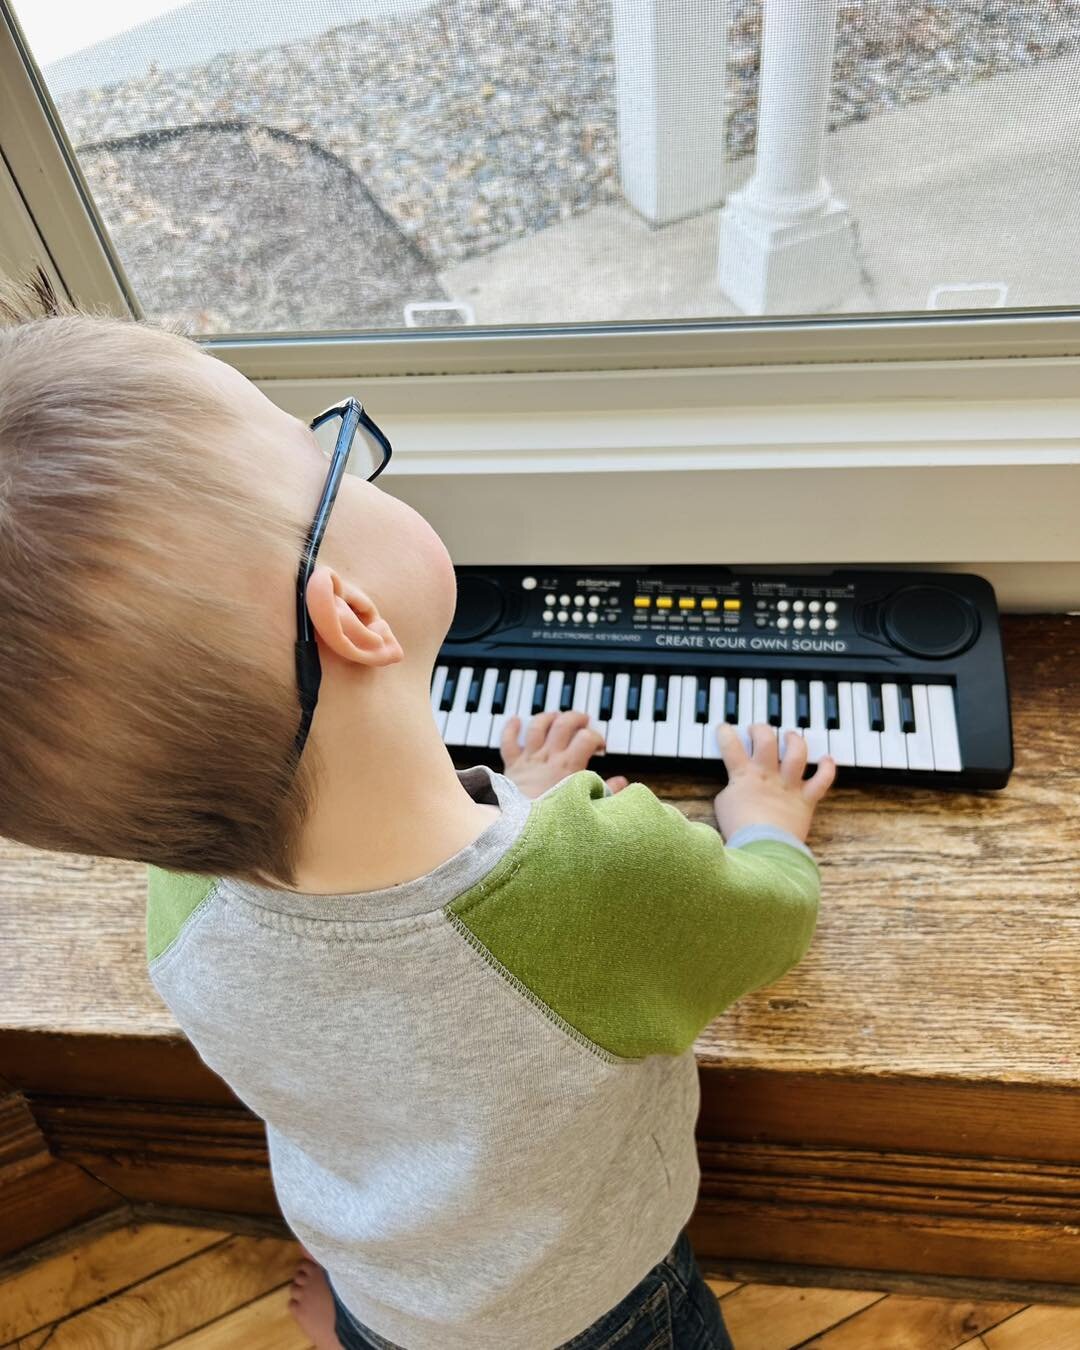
(701, 701)
(498, 698)
(659, 711)
(774, 703)
(566, 698)
(540, 692)
(802, 703)
(633, 697)
(907, 708)
(449, 690)
(607, 695)
(472, 700)
(731, 702)
(832, 706)
(877, 711)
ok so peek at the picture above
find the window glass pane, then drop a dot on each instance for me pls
(304, 165)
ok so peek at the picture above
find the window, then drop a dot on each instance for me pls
(374, 165)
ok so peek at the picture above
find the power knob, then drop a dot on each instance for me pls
(930, 621)
(480, 606)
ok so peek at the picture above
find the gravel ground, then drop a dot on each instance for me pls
(457, 129)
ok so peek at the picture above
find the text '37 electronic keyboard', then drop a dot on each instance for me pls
(899, 676)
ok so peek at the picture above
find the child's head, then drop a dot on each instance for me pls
(153, 508)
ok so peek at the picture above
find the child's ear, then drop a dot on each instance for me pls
(348, 623)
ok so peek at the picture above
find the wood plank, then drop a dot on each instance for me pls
(265, 1324)
(976, 1343)
(183, 1298)
(900, 1322)
(768, 1317)
(1037, 1329)
(721, 1288)
(64, 1284)
(35, 1341)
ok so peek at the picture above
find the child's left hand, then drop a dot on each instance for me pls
(557, 744)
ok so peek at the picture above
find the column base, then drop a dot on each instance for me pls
(769, 265)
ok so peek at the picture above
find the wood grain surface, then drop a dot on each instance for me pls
(948, 943)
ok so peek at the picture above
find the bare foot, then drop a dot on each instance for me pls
(312, 1305)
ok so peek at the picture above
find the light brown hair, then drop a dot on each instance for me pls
(138, 716)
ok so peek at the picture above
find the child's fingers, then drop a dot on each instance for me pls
(732, 749)
(565, 728)
(536, 732)
(763, 739)
(794, 761)
(508, 742)
(584, 745)
(821, 781)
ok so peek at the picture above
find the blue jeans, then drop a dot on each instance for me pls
(671, 1309)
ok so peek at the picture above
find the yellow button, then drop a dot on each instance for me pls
(687, 602)
(709, 603)
(664, 602)
(642, 601)
(733, 604)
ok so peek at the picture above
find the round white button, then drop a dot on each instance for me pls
(579, 599)
(549, 599)
(548, 615)
(594, 600)
(830, 606)
(782, 622)
(814, 606)
(798, 606)
(563, 616)
(592, 616)
(528, 583)
(831, 625)
(564, 599)
(576, 616)
(782, 606)
(815, 624)
(798, 623)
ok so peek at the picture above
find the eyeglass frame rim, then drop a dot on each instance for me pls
(308, 666)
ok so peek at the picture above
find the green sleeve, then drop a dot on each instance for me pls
(171, 899)
(635, 925)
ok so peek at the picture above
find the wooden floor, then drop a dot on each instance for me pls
(150, 1285)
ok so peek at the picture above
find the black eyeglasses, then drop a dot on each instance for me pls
(367, 456)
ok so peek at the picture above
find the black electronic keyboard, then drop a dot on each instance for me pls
(899, 676)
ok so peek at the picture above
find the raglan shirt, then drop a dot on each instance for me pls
(479, 1086)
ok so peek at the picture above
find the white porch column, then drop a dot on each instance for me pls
(787, 245)
(670, 62)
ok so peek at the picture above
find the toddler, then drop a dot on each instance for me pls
(464, 1002)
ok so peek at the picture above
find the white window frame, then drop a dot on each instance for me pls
(899, 439)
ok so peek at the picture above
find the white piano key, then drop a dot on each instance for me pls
(893, 747)
(554, 691)
(920, 742)
(761, 701)
(943, 728)
(666, 736)
(618, 728)
(513, 691)
(710, 742)
(438, 683)
(817, 734)
(642, 730)
(592, 707)
(867, 742)
(746, 711)
(479, 730)
(689, 730)
(580, 701)
(457, 723)
(525, 702)
(842, 738)
(787, 713)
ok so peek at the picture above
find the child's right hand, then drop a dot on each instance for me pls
(763, 789)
